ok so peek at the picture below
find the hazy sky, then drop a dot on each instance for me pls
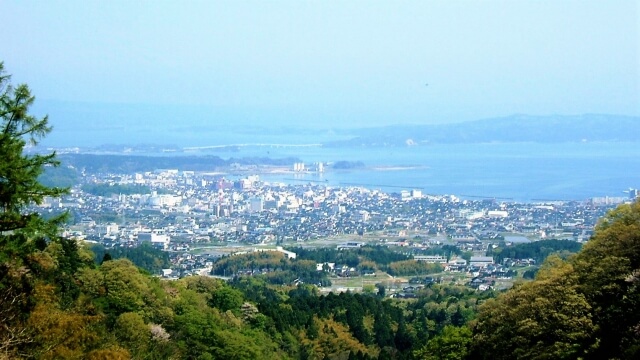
(331, 62)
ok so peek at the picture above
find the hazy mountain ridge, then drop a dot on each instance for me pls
(88, 126)
(515, 128)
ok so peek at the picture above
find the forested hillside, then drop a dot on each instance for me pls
(582, 307)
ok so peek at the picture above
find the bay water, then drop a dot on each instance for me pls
(510, 171)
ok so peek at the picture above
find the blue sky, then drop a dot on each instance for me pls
(325, 63)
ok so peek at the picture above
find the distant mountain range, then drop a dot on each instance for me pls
(516, 128)
(89, 126)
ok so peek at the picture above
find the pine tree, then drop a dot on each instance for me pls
(23, 234)
(19, 172)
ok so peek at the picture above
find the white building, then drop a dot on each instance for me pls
(497, 213)
(475, 215)
(164, 200)
(256, 205)
(321, 266)
(481, 261)
(338, 209)
(350, 245)
(108, 229)
(361, 216)
(437, 259)
(157, 238)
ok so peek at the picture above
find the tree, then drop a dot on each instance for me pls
(547, 317)
(608, 268)
(132, 332)
(19, 186)
(226, 298)
(106, 257)
(126, 289)
(403, 339)
(23, 234)
(452, 344)
(581, 307)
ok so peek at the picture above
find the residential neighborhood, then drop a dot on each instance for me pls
(180, 211)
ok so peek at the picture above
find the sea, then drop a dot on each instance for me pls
(519, 172)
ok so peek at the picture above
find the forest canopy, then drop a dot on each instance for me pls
(582, 307)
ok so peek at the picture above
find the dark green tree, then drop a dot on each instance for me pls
(312, 329)
(403, 339)
(382, 330)
(23, 233)
(226, 298)
(457, 318)
(451, 344)
(19, 172)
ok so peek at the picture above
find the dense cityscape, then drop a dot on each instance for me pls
(197, 217)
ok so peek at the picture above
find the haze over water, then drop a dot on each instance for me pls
(149, 72)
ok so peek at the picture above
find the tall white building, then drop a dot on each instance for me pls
(298, 167)
(256, 204)
(361, 216)
(108, 229)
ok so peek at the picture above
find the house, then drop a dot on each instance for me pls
(431, 258)
(350, 245)
(321, 266)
